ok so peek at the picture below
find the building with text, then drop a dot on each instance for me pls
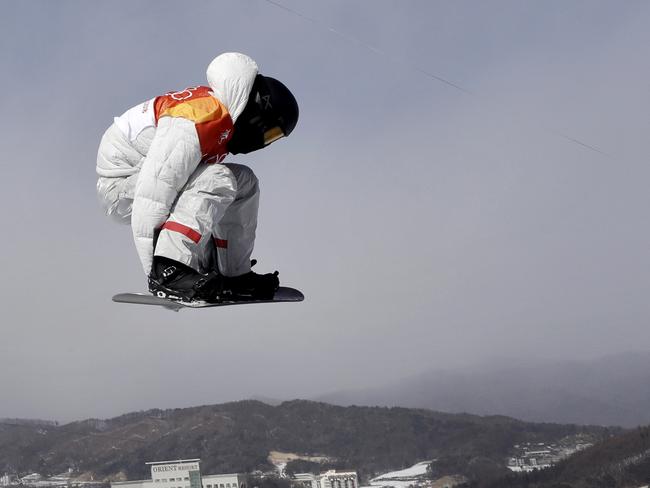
(184, 473)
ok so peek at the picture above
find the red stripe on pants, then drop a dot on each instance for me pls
(183, 229)
(222, 243)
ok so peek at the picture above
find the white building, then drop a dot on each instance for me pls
(236, 480)
(329, 479)
(184, 473)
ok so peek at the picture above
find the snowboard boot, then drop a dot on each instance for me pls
(251, 286)
(176, 281)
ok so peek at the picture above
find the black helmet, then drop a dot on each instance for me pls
(270, 114)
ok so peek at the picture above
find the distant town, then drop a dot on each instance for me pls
(529, 456)
(186, 473)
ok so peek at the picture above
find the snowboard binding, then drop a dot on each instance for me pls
(251, 286)
(176, 281)
(172, 280)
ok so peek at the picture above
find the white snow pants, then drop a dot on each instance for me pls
(212, 222)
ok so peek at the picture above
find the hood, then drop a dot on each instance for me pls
(231, 77)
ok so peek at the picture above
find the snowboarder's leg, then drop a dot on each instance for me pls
(234, 233)
(235, 238)
(217, 210)
(187, 236)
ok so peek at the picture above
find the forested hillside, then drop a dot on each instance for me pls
(239, 436)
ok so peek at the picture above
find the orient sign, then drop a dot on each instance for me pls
(166, 468)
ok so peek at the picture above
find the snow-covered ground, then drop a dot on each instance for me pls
(281, 459)
(402, 478)
(528, 469)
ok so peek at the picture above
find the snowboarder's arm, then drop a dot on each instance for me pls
(174, 154)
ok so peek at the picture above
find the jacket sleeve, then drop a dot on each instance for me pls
(174, 154)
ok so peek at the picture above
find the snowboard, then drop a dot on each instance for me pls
(283, 294)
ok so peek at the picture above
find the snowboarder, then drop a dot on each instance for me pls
(161, 169)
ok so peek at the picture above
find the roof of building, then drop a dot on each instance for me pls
(175, 461)
(204, 476)
(335, 472)
(130, 482)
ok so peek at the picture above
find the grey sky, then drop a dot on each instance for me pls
(427, 227)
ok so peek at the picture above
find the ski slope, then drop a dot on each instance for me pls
(402, 478)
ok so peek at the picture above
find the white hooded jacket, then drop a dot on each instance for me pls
(168, 153)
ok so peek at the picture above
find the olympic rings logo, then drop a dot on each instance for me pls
(183, 94)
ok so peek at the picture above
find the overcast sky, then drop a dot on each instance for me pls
(428, 227)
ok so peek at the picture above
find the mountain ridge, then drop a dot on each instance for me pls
(238, 436)
(613, 390)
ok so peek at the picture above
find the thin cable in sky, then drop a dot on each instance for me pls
(576, 141)
(370, 47)
(394, 59)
